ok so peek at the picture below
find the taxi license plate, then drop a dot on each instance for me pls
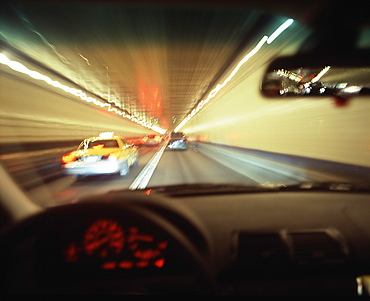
(91, 159)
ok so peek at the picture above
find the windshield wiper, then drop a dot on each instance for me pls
(328, 186)
(197, 189)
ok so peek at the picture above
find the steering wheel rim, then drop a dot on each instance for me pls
(25, 235)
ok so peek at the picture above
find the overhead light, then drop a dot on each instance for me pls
(213, 93)
(278, 31)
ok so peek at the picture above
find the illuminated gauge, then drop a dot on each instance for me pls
(104, 237)
(71, 253)
(146, 249)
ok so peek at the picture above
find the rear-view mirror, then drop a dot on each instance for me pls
(313, 75)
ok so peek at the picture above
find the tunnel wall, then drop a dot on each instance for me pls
(309, 127)
(33, 112)
(238, 116)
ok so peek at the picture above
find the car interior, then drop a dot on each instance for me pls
(278, 239)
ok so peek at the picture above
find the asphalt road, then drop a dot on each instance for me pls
(161, 167)
(174, 167)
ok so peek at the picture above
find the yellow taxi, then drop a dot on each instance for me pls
(106, 154)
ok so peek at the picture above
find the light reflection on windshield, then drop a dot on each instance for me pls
(66, 76)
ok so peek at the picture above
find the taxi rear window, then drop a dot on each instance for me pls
(103, 144)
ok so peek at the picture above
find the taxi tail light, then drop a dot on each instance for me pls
(68, 158)
(114, 156)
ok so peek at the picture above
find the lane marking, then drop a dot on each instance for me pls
(145, 175)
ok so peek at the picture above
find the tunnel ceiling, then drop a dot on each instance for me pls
(156, 62)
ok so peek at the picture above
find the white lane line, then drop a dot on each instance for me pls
(145, 175)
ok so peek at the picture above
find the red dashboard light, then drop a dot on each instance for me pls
(163, 245)
(142, 264)
(104, 237)
(126, 264)
(109, 265)
(147, 254)
(159, 263)
(70, 253)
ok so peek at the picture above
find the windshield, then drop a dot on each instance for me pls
(70, 71)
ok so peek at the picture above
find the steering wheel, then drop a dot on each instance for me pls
(115, 243)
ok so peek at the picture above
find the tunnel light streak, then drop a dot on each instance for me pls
(16, 66)
(144, 177)
(264, 113)
(289, 74)
(106, 67)
(352, 89)
(278, 31)
(86, 60)
(321, 74)
(114, 101)
(30, 26)
(213, 93)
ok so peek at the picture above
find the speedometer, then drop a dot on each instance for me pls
(104, 237)
(108, 244)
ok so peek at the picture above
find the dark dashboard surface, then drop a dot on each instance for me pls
(149, 242)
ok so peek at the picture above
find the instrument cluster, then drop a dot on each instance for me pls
(123, 247)
(111, 245)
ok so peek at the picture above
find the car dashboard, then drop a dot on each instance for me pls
(164, 242)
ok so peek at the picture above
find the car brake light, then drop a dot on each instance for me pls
(68, 158)
(114, 156)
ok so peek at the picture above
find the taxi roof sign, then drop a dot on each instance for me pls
(106, 135)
